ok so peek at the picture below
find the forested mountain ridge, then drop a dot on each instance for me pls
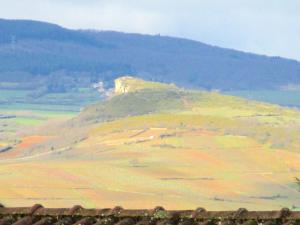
(38, 51)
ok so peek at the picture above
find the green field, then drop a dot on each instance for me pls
(68, 101)
(279, 97)
(26, 112)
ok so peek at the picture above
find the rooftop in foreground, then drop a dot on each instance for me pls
(38, 215)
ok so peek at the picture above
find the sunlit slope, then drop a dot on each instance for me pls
(133, 96)
(152, 144)
(170, 106)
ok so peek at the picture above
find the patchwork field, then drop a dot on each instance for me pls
(177, 168)
(159, 145)
(21, 111)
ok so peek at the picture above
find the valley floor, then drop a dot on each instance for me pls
(159, 146)
(143, 168)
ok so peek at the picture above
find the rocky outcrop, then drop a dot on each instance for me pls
(122, 84)
(127, 84)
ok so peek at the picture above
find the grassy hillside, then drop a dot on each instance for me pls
(231, 115)
(134, 97)
(156, 144)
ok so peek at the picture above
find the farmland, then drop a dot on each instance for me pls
(289, 98)
(158, 145)
(19, 110)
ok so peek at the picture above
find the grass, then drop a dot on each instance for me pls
(264, 133)
(39, 107)
(134, 103)
(280, 97)
(13, 94)
(109, 171)
(71, 101)
(27, 121)
(131, 84)
(162, 146)
(31, 113)
(9, 84)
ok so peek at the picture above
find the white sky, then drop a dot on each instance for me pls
(270, 27)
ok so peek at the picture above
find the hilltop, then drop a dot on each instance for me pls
(233, 115)
(128, 84)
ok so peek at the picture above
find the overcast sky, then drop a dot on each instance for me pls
(270, 27)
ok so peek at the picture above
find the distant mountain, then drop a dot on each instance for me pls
(36, 51)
